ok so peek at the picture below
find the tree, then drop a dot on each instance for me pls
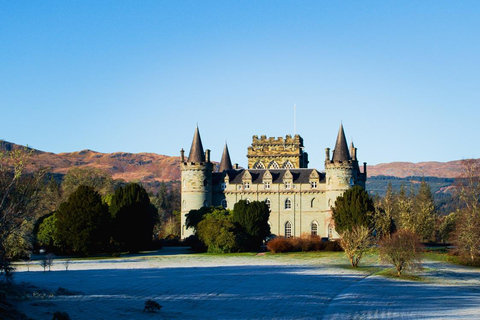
(83, 222)
(46, 233)
(19, 192)
(93, 177)
(425, 213)
(447, 226)
(467, 228)
(354, 208)
(384, 218)
(218, 232)
(402, 249)
(133, 217)
(355, 243)
(253, 217)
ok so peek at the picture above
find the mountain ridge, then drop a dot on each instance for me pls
(150, 167)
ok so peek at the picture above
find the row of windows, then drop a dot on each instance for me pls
(273, 165)
(266, 185)
(313, 229)
(288, 203)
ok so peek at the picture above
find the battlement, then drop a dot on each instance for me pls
(280, 140)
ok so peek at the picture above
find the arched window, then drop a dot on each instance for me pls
(288, 165)
(224, 203)
(205, 203)
(288, 204)
(330, 231)
(314, 228)
(273, 165)
(329, 181)
(329, 203)
(351, 182)
(184, 204)
(184, 183)
(247, 201)
(288, 229)
(205, 182)
(312, 203)
(258, 165)
(223, 186)
(267, 202)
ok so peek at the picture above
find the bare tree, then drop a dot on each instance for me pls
(46, 262)
(467, 229)
(355, 243)
(402, 249)
(19, 193)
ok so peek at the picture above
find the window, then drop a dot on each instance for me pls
(314, 228)
(312, 203)
(184, 183)
(288, 165)
(330, 231)
(184, 205)
(267, 202)
(246, 185)
(224, 203)
(273, 165)
(205, 182)
(247, 201)
(223, 186)
(205, 203)
(313, 184)
(288, 185)
(258, 165)
(267, 184)
(288, 229)
(351, 182)
(239, 187)
(288, 204)
(329, 203)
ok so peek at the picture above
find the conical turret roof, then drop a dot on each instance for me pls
(225, 163)
(341, 148)
(196, 151)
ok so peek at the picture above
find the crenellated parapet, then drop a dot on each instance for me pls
(270, 152)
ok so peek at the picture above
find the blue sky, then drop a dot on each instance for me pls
(137, 76)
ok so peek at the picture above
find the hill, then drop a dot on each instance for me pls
(151, 167)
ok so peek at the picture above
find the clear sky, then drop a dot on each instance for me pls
(137, 76)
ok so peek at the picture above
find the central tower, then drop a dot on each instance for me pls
(277, 153)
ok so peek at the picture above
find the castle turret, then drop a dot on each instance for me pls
(342, 171)
(196, 180)
(225, 163)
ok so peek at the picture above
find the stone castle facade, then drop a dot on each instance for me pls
(299, 198)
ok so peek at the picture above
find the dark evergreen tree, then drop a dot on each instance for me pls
(354, 208)
(83, 221)
(253, 217)
(133, 217)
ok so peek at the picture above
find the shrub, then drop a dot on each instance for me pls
(402, 249)
(355, 242)
(333, 246)
(279, 245)
(151, 306)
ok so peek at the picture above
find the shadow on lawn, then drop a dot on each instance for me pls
(247, 292)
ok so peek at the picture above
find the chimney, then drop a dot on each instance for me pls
(207, 155)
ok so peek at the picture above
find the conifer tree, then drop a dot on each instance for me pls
(424, 213)
(354, 208)
(82, 224)
(133, 217)
(253, 217)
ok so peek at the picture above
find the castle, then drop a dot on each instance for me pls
(299, 198)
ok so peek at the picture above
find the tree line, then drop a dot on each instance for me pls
(83, 212)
